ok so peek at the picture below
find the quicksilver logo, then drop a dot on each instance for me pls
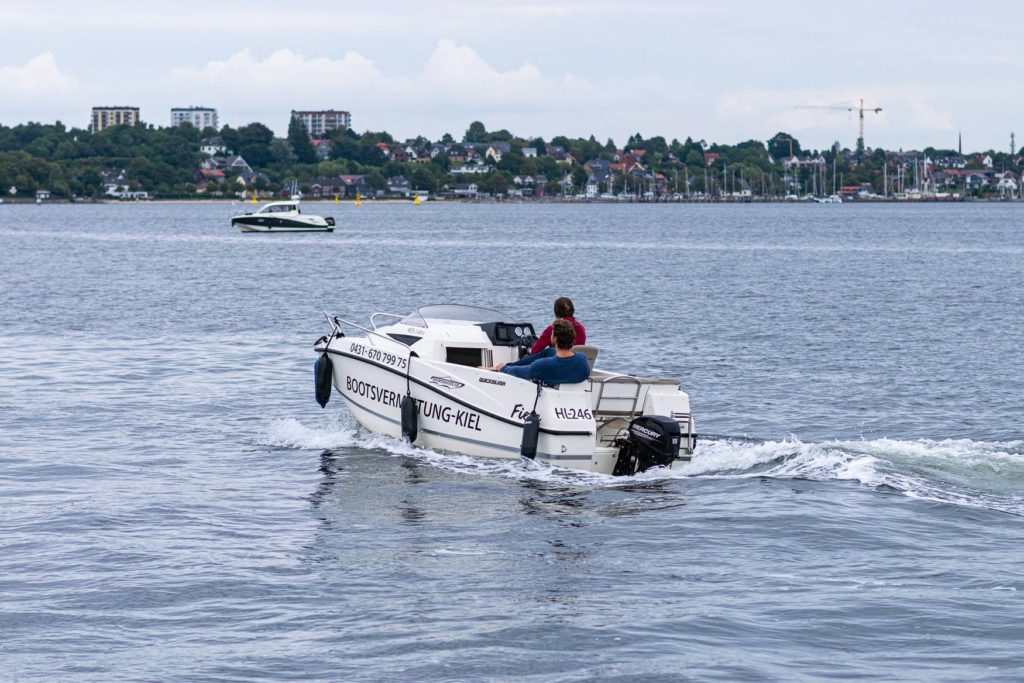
(488, 380)
(447, 382)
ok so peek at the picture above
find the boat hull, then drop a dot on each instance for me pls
(464, 409)
(258, 223)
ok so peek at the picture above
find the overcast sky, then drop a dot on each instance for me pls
(715, 70)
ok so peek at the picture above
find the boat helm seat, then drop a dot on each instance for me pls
(589, 351)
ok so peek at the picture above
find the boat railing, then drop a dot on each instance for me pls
(336, 323)
(609, 406)
(373, 317)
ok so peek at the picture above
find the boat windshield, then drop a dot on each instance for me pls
(278, 208)
(452, 314)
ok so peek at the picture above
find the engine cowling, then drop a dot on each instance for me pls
(650, 441)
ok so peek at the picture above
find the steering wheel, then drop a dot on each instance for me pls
(526, 340)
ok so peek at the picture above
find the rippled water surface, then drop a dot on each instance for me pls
(175, 506)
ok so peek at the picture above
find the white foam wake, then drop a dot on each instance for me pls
(340, 433)
(290, 433)
(987, 474)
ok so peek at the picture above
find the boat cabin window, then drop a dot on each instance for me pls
(280, 208)
(471, 357)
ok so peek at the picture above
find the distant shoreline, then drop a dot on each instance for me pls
(350, 202)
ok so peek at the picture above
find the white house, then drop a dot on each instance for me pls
(1007, 185)
(124, 191)
(212, 146)
(471, 169)
(467, 190)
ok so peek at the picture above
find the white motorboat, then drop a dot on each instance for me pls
(282, 217)
(421, 376)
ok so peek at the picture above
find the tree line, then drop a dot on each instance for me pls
(164, 160)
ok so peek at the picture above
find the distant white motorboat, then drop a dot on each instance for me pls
(282, 217)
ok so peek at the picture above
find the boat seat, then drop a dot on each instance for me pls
(589, 351)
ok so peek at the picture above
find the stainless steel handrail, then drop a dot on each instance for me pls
(390, 315)
(618, 379)
(336, 322)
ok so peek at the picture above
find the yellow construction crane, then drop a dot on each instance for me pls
(844, 107)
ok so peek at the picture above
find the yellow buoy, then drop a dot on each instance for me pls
(335, 199)
(416, 201)
(358, 203)
(254, 197)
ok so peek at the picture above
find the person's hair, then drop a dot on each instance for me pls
(564, 307)
(563, 333)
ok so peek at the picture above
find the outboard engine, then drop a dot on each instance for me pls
(651, 441)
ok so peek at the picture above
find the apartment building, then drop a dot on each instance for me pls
(200, 117)
(105, 117)
(320, 123)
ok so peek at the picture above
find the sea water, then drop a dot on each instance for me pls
(175, 506)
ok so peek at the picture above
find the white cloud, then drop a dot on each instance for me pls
(455, 80)
(589, 9)
(38, 83)
(458, 74)
(282, 75)
(825, 115)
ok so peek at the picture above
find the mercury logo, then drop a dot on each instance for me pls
(447, 382)
(649, 433)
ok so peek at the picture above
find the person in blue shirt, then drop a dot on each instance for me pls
(556, 364)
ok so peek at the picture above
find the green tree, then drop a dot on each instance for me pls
(496, 183)
(282, 153)
(547, 165)
(779, 145)
(579, 176)
(299, 141)
(423, 179)
(475, 133)
(376, 180)
(254, 144)
(511, 162)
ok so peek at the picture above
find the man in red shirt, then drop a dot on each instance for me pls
(563, 311)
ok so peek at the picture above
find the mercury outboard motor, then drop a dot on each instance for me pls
(651, 441)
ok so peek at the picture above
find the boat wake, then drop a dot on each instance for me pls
(980, 474)
(983, 474)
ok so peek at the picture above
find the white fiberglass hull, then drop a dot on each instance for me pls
(465, 409)
(297, 227)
